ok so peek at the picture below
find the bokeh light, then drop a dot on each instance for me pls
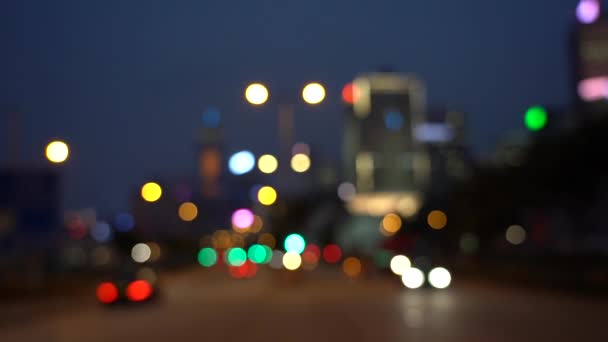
(440, 278)
(536, 118)
(257, 254)
(292, 261)
(350, 93)
(437, 219)
(151, 192)
(399, 264)
(236, 256)
(352, 267)
(124, 222)
(107, 293)
(269, 254)
(332, 254)
(57, 151)
(256, 94)
(277, 260)
(268, 163)
(101, 232)
(155, 251)
(139, 291)
(295, 243)
(257, 224)
(267, 239)
(207, 257)
(469, 243)
(148, 274)
(141, 253)
(313, 93)
(242, 219)
(412, 278)
(391, 223)
(515, 235)
(241, 163)
(187, 211)
(211, 117)
(101, 256)
(347, 191)
(300, 163)
(382, 258)
(267, 195)
(588, 11)
(221, 239)
(393, 120)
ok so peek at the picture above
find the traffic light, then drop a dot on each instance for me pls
(536, 118)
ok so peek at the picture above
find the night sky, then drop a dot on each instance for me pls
(125, 82)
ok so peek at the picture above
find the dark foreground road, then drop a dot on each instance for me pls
(199, 305)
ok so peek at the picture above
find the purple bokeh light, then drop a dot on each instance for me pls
(242, 218)
(588, 11)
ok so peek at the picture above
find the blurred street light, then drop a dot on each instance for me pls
(536, 118)
(267, 195)
(256, 94)
(151, 192)
(313, 93)
(187, 211)
(300, 163)
(268, 164)
(57, 151)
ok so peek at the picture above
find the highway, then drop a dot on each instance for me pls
(206, 305)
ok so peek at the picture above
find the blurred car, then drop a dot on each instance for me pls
(133, 285)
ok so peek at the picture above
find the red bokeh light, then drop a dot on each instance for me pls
(246, 270)
(139, 290)
(350, 93)
(332, 254)
(107, 293)
(314, 249)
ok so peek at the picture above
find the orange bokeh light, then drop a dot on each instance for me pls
(350, 93)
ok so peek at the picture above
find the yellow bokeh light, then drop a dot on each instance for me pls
(267, 195)
(300, 163)
(257, 224)
(268, 240)
(292, 261)
(221, 239)
(352, 267)
(268, 163)
(187, 211)
(313, 93)
(151, 192)
(57, 151)
(437, 219)
(391, 223)
(256, 94)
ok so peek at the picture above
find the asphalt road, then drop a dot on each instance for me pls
(203, 305)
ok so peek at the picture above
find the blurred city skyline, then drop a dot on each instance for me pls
(125, 84)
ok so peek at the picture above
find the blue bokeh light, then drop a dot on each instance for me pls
(101, 232)
(212, 117)
(393, 120)
(241, 163)
(124, 222)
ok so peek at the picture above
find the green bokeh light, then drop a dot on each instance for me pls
(207, 257)
(536, 118)
(295, 243)
(268, 254)
(236, 256)
(257, 254)
(382, 258)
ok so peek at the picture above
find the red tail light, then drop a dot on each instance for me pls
(107, 293)
(139, 290)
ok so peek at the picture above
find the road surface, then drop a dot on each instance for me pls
(206, 305)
